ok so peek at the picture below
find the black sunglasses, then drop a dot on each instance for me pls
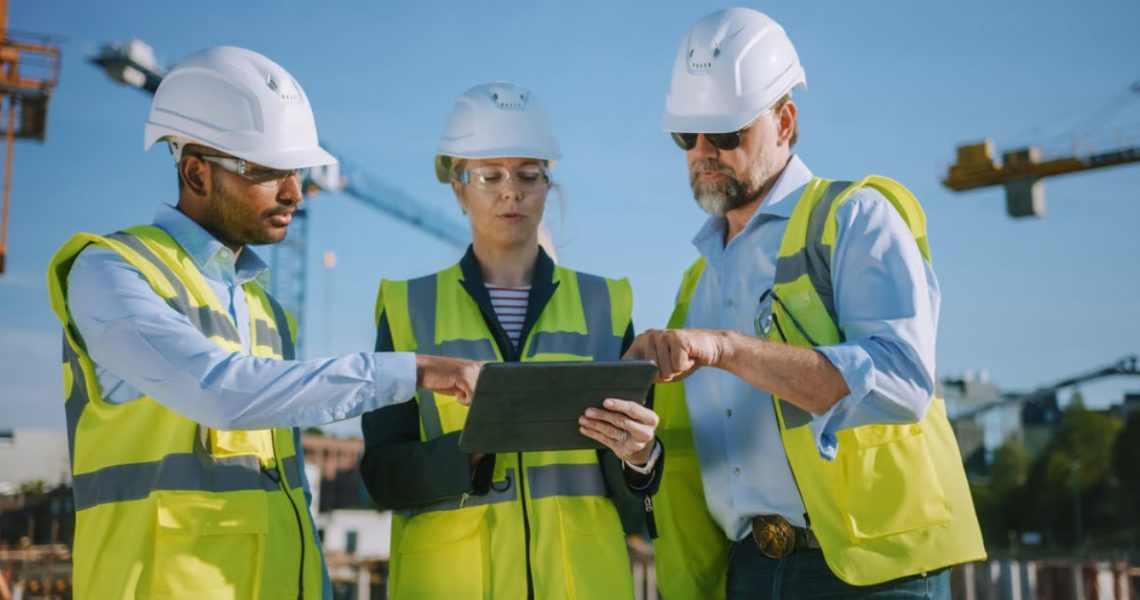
(720, 141)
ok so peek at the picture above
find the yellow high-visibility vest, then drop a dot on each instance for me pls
(166, 507)
(547, 513)
(894, 501)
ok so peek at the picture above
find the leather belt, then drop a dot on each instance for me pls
(777, 538)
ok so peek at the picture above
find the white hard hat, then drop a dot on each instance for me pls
(732, 65)
(495, 120)
(239, 102)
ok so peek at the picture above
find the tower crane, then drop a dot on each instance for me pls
(134, 63)
(1021, 170)
(29, 71)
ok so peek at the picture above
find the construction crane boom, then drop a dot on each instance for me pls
(1126, 366)
(1021, 171)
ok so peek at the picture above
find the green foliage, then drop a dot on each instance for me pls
(1080, 466)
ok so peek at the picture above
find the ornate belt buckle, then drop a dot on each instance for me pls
(774, 535)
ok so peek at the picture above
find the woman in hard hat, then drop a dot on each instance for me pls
(519, 525)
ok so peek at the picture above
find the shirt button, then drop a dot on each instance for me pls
(736, 471)
(728, 413)
(728, 303)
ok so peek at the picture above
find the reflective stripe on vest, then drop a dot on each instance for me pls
(555, 514)
(200, 483)
(918, 516)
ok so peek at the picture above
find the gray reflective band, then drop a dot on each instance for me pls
(77, 399)
(566, 480)
(814, 259)
(599, 341)
(501, 491)
(421, 312)
(422, 300)
(263, 335)
(210, 322)
(429, 415)
(189, 472)
(794, 416)
(293, 472)
(284, 335)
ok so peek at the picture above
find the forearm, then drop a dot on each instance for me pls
(401, 471)
(800, 376)
(229, 390)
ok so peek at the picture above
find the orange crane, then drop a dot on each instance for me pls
(1021, 171)
(28, 74)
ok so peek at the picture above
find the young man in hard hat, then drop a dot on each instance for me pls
(826, 466)
(183, 395)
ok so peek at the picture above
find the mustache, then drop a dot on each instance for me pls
(709, 165)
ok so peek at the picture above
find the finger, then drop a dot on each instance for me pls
(604, 428)
(631, 409)
(605, 441)
(636, 349)
(616, 419)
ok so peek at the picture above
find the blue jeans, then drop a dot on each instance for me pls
(805, 574)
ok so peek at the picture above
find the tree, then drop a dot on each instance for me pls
(1078, 461)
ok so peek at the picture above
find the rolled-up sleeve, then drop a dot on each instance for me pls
(886, 300)
(133, 333)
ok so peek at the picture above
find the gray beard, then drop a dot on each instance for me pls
(718, 197)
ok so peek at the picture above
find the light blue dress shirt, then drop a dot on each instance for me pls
(886, 300)
(143, 346)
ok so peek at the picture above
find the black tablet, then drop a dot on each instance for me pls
(525, 407)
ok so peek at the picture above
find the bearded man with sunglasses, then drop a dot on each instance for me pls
(184, 397)
(813, 458)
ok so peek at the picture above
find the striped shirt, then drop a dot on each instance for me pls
(510, 307)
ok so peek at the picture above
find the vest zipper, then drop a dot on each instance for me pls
(279, 478)
(526, 528)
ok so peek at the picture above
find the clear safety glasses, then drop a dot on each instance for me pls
(255, 174)
(493, 178)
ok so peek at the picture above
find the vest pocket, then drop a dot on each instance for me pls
(209, 545)
(443, 554)
(890, 485)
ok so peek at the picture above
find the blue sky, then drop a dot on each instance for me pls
(894, 86)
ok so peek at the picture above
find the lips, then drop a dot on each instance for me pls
(281, 219)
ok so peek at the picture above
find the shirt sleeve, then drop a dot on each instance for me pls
(130, 331)
(886, 301)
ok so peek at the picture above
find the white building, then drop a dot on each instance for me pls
(28, 455)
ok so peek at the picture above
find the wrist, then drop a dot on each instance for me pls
(650, 460)
(725, 344)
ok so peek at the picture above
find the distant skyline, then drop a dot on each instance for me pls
(893, 88)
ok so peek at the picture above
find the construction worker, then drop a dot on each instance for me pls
(183, 395)
(813, 459)
(518, 525)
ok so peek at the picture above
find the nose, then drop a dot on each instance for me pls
(511, 190)
(290, 192)
(704, 149)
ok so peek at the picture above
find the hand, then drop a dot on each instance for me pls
(627, 428)
(677, 352)
(451, 376)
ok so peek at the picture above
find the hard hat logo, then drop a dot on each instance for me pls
(732, 66)
(240, 103)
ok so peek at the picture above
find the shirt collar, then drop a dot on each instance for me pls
(779, 203)
(212, 258)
